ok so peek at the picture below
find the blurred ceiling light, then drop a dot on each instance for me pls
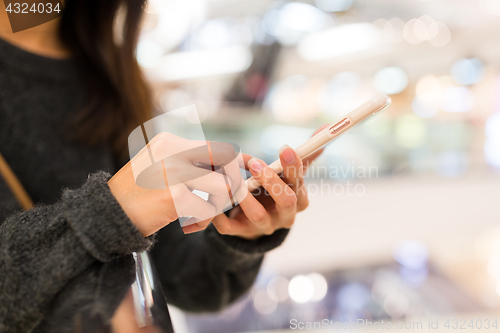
(441, 33)
(214, 33)
(424, 108)
(301, 289)
(222, 32)
(490, 7)
(334, 5)
(320, 286)
(277, 289)
(342, 40)
(411, 254)
(149, 53)
(353, 297)
(410, 131)
(467, 71)
(293, 21)
(175, 20)
(457, 100)
(390, 80)
(193, 64)
(263, 303)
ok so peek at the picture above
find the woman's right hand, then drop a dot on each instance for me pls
(155, 187)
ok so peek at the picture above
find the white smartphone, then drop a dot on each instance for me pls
(372, 106)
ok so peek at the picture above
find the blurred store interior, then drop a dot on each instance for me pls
(404, 215)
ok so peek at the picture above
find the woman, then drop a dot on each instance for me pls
(70, 93)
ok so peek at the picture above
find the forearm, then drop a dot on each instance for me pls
(41, 250)
(209, 271)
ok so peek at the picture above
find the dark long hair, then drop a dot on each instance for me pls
(118, 97)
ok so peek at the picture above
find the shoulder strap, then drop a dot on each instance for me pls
(15, 185)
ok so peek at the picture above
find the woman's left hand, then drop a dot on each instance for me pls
(265, 211)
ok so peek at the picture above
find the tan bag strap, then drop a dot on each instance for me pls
(15, 185)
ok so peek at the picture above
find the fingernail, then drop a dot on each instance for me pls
(255, 165)
(287, 154)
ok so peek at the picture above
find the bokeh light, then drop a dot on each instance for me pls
(263, 303)
(492, 144)
(338, 95)
(411, 254)
(320, 286)
(396, 305)
(294, 20)
(393, 30)
(410, 131)
(338, 41)
(149, 53)
(277, 289)
(334, 5)
(301, 289)
(294, 99)
(390, 80)
(441, 33)
(467, 71)
(415, 31)
(353, 297)
(457, 100)
(451, 163)
(424, 108)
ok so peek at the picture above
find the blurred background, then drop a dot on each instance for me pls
(405, 208)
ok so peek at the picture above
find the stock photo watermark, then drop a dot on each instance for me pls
(365, 324)
(27, 14)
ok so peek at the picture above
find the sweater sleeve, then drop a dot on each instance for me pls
(41, 250)
(209, 270)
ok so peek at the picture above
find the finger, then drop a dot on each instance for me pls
(192, 227)
(220, 202)
(302, 197)
(246, 159)
(227, 226)
(292, 167)
(212, 183)
(189, 204)
(256, 213)
(282, 194)
(293, 174)
(232, 170)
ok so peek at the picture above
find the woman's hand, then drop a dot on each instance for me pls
(155, 187)
(263, 212)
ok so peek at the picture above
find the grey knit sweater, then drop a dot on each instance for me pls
(72, 253)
